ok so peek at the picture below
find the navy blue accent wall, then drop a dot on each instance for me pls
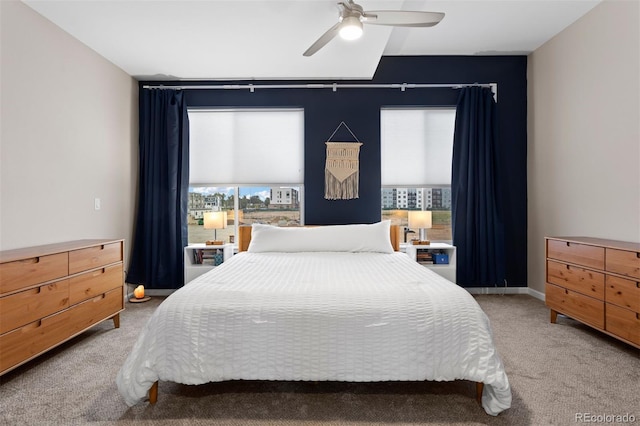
(360, 110)
(322, 117)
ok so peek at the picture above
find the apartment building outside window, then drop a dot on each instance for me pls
(247, 162)
(417, 150)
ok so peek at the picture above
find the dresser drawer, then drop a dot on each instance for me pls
(22, 308)
(623, 262)
(624, 323)
(574, 278)
(622, 292)
(94, 283)
(96, 309)
(580, 254)
(575, 305)
(28, 272)
(32, 339)
(94, 257)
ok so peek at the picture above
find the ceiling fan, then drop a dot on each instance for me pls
(352, 16)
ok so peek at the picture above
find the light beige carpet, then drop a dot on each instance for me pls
(558, 372)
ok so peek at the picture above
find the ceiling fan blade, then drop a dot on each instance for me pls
(324, 39)
(402, 18)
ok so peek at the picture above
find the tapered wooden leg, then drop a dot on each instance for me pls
(116, 320)
(479, 389)
(553, 316)
(153, 393)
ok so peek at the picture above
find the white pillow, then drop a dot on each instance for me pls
(349, 238)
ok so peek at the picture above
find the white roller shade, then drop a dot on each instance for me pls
(417, 146)
(246, 146)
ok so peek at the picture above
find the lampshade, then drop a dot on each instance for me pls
(420, 219)
(215, 220)
(351, 28)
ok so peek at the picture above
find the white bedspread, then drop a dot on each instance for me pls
(317, 316)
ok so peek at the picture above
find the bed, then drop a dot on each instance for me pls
(331, 303)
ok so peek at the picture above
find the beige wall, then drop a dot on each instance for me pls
(584, 132)
(69, 135)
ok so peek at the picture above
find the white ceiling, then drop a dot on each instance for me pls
(184, 40)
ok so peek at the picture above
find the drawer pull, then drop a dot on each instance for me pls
(99, 298)
(637, 316)
(567, 266)
(637, 284)
(99, 272)
(32, 260)
(34, 324)
(37, 290)
(566, 291)
(568, 244)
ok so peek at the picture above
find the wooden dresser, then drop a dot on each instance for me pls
(597, 282)
(51, 293)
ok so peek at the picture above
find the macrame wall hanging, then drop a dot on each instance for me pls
(342, 168)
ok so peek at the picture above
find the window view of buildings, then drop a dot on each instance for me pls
(396, 203)
(416, 198)
(278, 206)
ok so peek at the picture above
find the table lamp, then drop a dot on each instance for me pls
(420, 219)
(215, 221)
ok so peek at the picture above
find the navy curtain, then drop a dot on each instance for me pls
(478, 231)
(157, 259)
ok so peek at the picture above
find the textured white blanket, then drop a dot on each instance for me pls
(317, 316)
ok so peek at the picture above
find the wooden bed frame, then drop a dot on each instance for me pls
(244, 237)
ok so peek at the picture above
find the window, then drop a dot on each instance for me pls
(248, 163)
(244, 205)
(278, 206)
(417, 150)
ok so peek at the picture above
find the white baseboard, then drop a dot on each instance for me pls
(158, 292)
(497, 290)
(150, 292)
(506, 290)
(537, 294)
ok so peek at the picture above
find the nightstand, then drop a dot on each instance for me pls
(446, 270)
(201, 258)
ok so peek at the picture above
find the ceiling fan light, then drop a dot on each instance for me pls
(351, 28)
